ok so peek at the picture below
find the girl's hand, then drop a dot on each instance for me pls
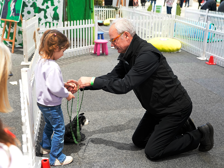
(71, 85)
(70, 96)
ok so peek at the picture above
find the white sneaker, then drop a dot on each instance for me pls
(68, 160)
(44, 151)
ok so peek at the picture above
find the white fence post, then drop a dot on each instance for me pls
(27, 120)
(203, 57)
(29, 30)
(206, 17)
(105, 13)
(174, 8)
(96, 28)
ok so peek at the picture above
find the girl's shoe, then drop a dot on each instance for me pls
(44, 151)
(68, 160)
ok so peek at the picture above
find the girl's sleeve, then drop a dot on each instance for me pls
(55, 83)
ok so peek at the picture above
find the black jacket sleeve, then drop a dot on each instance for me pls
(116, 82)
(117, 73)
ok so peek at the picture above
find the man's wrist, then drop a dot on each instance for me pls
(92, 81)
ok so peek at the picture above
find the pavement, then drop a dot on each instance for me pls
(113, 118)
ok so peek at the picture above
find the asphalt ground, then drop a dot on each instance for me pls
(113, 118)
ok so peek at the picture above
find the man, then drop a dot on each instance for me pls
(210, 5)
(165, 128)
(221, 7)
(199, 3)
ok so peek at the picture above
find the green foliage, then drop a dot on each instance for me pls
(178, 11)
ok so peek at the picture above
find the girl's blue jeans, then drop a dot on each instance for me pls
(54, 122)
(168, 9)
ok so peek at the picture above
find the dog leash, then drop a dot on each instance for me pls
(78, 132)
(78, 108)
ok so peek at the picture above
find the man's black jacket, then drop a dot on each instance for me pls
(210, 5)
(145, 70)
(221, 7)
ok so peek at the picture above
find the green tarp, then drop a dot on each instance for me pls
(80, 10)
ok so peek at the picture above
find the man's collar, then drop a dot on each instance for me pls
(131, 48)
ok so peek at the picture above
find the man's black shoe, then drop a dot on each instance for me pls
(188, 126)
(207, 140)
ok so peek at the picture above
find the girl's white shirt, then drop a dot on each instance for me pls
(12, 157)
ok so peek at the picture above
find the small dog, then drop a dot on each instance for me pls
(68, 134)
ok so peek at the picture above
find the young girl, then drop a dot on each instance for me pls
(11, 156)
(50, 90)
(169, 5)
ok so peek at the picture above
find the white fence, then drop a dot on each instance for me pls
(191, 34)
(29, 36)
(203, 39)
(81, 35)
(216, 18)
(105, 13)
(148, 24)
(197, 37)
(30, 114)
(215, 46)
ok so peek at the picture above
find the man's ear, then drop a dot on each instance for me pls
(126, 34)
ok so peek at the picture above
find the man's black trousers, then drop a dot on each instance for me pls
(163, 136)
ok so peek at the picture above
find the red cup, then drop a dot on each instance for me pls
(45, 163)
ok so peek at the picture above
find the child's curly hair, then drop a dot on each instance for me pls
(50, 40)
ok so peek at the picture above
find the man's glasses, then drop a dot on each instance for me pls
(114, 39)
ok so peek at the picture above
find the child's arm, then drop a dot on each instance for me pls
(55, 84)
(70, 96)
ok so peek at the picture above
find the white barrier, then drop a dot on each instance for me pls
(79, 33)
(30, 113)
(200, 38)
(215, 46)
(149, 24)
(105, 13)
(191, 34)
(29, 34)
(215, 18)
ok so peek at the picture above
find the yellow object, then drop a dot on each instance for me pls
(107, 22)
(165, 44)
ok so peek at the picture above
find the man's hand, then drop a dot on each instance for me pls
(70, 96)
(71, 85)
(84, 82)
